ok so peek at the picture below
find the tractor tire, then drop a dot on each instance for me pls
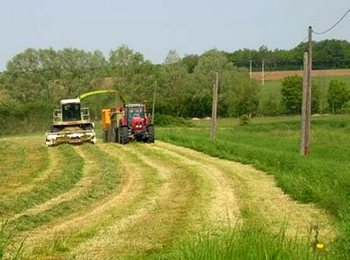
(124, 135)
(119, 136)
(150, 132)
(105, 136)
(109, 138)
(114, 136)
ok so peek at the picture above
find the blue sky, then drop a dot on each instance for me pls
(153, 27)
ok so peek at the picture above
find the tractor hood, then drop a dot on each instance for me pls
(137, 123)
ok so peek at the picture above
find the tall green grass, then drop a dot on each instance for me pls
(250, 243)
(10, 247)
(322, 178)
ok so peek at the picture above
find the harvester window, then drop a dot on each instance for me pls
(71, 112)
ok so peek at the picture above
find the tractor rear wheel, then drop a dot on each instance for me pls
(124, 135)
(150, 131)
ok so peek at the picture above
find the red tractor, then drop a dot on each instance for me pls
(123, 124)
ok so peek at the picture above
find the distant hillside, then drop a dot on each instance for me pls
(278, 75)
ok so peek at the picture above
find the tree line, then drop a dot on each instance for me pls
(327, 54)
(35, 80)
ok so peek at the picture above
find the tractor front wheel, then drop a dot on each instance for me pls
(150, 131)
(124, 135)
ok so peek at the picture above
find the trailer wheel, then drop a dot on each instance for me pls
(150, 131)
(114, 136)
(119, 136)
(124, 136)
(105, 136)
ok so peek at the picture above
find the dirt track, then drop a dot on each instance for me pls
(165, 192)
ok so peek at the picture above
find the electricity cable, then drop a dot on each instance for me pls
(326, 31)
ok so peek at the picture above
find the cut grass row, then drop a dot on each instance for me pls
(20, 165)
(59, 181)
(158, 213)
(106, 182)
(322, 178)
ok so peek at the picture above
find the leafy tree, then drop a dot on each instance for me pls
(271, 107)
(246, 94)
(191, 62)
(238, 94)
(173, 74)
(338, 95)
(132, 75)
(291, 91)
(210, 63)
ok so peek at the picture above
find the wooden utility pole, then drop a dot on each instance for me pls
(250, 69)
(154, 101)
(306, 106)
(303, 108)
(263, 73)
(214, 108)
(308, 95)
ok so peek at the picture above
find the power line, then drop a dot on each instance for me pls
(326, 31)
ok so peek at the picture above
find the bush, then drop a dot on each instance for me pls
(166, 120)
(244, 120)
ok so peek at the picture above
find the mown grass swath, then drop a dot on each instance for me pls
(323, 177)
(64, 179)
(105, 185)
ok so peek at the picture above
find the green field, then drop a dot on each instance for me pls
(272, 145)
(44, 188)
(272, 88)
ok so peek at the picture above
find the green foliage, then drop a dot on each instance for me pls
(244, 120)
(271, 107)
(173, 89)
(166, 120)
(190, 61)
(183, 86)
(17, 118)
(292, 91)
(246, 95)
(338, 95)
(327, 54)
(292, 94)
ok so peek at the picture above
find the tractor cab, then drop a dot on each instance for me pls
(135, 115)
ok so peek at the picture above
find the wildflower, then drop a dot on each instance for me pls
(320, 245)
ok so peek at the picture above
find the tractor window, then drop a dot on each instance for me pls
(137, 112)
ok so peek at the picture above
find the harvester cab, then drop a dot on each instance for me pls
(130, 122)
(71, 124)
